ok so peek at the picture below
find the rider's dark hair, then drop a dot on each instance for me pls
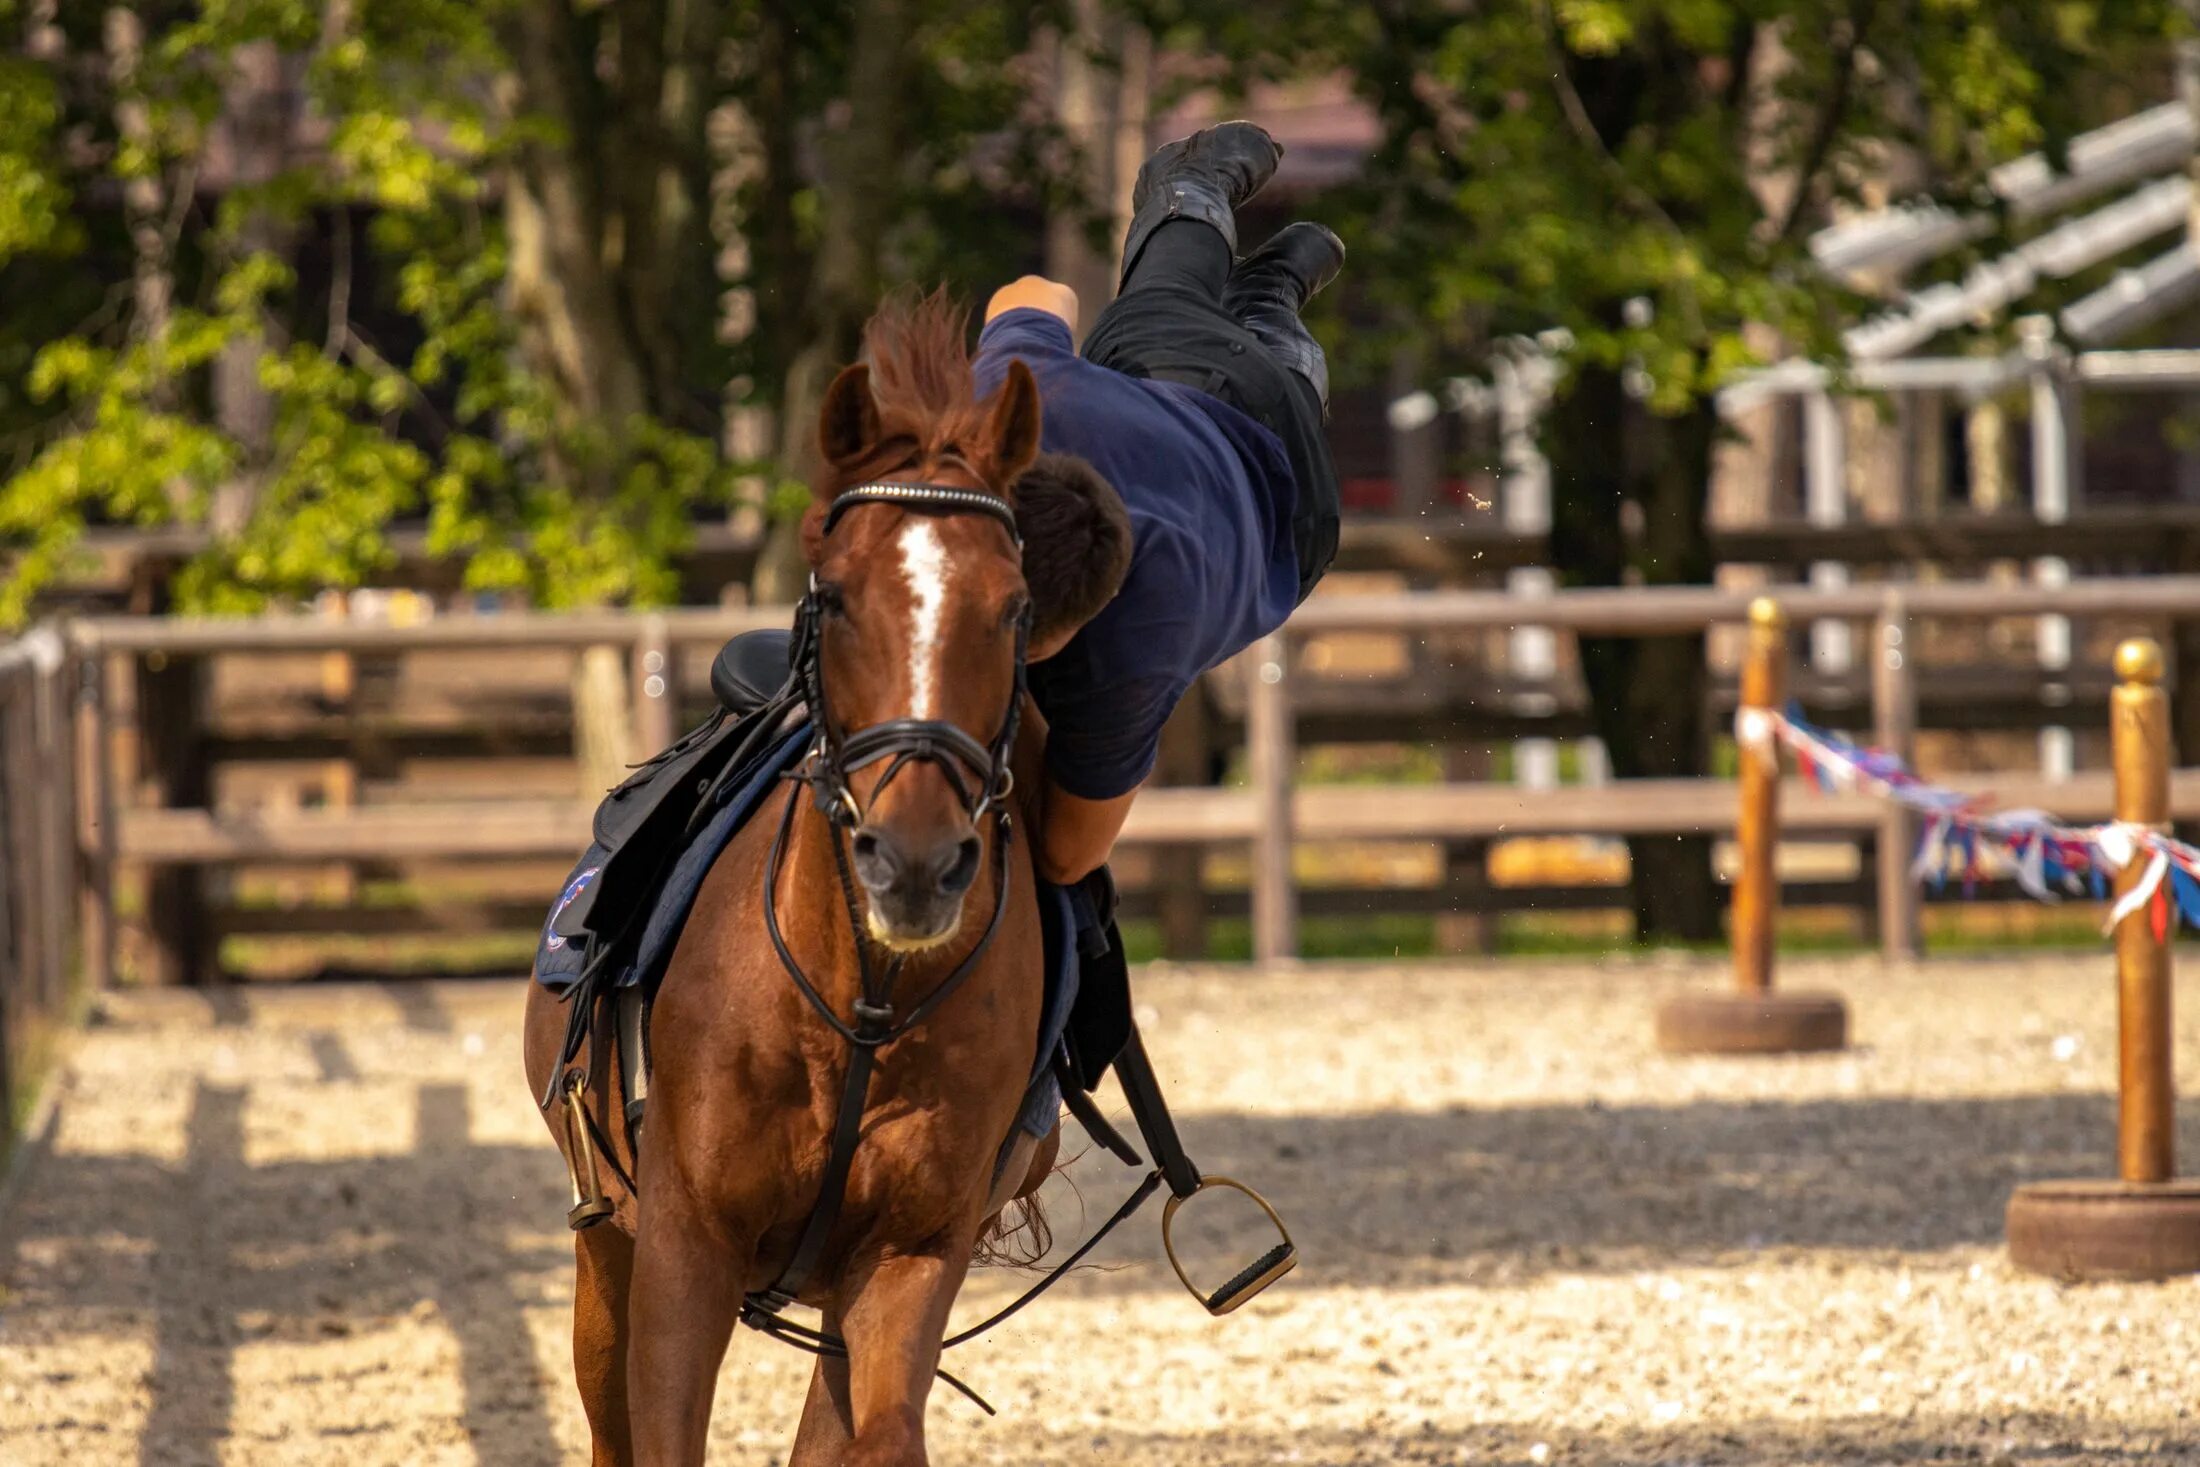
(1077, 541)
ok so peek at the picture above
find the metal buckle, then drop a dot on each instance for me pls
(1255, 1276)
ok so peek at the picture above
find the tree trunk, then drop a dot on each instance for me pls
(1646, 694)
(562, 291)
(861, 200)
(656, 171)
(257, 117)
(1103, 64)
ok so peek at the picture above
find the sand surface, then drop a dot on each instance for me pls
(325, 1226)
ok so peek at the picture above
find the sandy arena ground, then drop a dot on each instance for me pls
(326, 1226)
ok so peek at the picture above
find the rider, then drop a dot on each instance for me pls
(1200, 398)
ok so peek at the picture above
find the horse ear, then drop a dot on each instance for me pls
(1014, 426)
(847, 425)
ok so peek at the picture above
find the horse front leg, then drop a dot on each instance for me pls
(893, 1319)
(827, 1425)
(603, 1260)
(688, 1273)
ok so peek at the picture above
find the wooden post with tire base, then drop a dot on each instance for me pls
(2145, 1223)
(1756, 1018)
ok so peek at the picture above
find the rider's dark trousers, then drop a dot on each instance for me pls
(1169, 324)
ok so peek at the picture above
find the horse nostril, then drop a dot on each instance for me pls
(875, 863)
(963, 870)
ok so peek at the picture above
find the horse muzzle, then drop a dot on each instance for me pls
(915, 888)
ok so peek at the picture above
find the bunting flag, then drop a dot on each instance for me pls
(1964, 837)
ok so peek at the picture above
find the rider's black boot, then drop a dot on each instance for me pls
(1203, 177)
(1272, 285)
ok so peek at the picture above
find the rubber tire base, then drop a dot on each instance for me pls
(1774, 1022)
(2094, 1230)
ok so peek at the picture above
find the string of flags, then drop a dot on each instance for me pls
(1964, 838)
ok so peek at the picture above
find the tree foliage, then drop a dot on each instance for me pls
(1633, 183)
(472, 277)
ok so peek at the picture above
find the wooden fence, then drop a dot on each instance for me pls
(40, 877)
(172, 827)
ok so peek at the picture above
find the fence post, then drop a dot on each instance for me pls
(656, 700)
(1270, 756)
(2146, 1124)
(2145, 1223)
(1757, 822)
(96, 815)
(1753, 1017)
(57, 758)
(1894, 728)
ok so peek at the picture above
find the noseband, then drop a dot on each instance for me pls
(832, 759)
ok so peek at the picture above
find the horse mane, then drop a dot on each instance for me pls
(917, 348)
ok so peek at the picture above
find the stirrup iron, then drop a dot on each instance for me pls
(590, 1205)
(1248, 1281)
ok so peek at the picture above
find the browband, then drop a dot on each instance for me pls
(949, 497)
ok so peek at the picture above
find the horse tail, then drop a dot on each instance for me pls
(1018, 1236)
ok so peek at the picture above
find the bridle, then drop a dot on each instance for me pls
(875, 1023)
(834, 757)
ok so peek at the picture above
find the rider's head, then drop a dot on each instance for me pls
(1077, 546)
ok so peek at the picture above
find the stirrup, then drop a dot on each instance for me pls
(1255, 1276)
(590, 1206)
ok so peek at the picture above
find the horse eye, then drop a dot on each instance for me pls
(829, 599)
(1015, 610)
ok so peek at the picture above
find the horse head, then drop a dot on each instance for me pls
(920, 611)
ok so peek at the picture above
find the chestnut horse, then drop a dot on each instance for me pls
(918, 612)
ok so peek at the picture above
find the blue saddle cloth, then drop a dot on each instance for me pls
(1064, 912)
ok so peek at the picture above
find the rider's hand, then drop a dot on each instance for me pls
(1038, 293)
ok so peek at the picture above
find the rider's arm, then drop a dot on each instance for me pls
(1076, 835)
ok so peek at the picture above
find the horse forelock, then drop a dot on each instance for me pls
(930, 415)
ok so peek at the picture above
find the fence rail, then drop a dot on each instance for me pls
(82, 831)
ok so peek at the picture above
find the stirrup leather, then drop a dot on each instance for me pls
(1248, 1281)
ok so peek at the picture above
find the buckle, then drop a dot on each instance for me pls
(1248, 1281)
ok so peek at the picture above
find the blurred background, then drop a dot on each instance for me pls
(409, 316)
(402, 400)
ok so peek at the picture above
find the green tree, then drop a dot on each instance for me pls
(549, 279)
(1642, 175)
(462, 263)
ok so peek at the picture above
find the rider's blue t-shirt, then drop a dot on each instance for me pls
(1210, 495)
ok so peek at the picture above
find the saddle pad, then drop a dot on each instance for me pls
(559, 960)
(1064, 912)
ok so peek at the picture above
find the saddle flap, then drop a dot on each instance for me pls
(640, 826)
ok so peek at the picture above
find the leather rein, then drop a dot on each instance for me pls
(874, 1022)
(834, 757)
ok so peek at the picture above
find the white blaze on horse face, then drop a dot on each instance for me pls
(924, 566)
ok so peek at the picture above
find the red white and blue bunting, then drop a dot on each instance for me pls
(1966, 839)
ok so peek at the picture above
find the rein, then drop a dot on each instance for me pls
(833, 758)
(875, 1022)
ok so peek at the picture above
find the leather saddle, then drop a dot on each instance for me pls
(642, 825)
(750, 669)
